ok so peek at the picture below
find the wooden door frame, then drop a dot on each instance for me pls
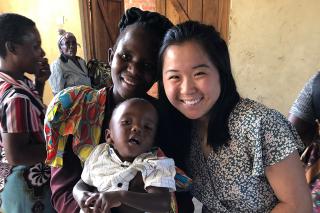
(220, 22)
(88, 23)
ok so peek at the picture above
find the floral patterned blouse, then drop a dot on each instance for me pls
(233, 179)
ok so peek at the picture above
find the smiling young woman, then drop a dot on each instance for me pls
(241, 155)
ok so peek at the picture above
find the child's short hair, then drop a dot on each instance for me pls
(142, 100)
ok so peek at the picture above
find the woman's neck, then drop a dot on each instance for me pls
(117, 99)
(11, 72)
(201, 128)
(202, 122)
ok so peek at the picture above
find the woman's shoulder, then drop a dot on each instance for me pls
(57, 61)
(80, 59)
(254, 123)
(23, 90)
(247, 107)
(251, 112)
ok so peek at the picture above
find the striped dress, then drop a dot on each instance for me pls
(22, 188)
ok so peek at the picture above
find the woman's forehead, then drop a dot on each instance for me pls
(31, 34)
(136, 38)
(138, 32)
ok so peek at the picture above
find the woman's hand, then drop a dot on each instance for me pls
(86, 208)
(42, 75)
(44, 72)
(81, 193)
(104, 201)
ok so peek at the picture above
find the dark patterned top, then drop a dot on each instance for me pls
(233, 178)
(302, 106)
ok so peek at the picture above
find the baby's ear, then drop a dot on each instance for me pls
(108, 136)
(110, 56)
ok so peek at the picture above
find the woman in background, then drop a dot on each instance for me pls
(24, 179)
(69, 69)
(304, 116)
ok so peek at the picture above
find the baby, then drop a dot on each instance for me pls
(127, 172)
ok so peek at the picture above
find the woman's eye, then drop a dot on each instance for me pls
(173, 77)
(36, 46)
(200, 73)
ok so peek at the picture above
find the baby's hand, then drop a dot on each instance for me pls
(87, 207)
(103, 202)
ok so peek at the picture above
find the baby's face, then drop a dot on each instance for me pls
(133, 128)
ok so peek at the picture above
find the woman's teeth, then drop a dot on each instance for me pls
(191, 102)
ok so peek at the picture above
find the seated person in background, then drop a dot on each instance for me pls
(303, 113)
(126, 172)
(68, 70)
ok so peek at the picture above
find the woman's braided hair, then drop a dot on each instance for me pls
(151, 21)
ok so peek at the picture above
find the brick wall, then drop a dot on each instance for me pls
(142, 4)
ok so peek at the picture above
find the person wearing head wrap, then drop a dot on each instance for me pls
(68, 70)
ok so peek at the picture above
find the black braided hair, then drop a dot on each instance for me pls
(151, 21)
(12, 29)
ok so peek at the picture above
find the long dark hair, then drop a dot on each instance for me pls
(216, 49)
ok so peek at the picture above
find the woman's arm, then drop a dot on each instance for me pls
(157, 200)
(19, 151)
(307, 131)
(289, 184)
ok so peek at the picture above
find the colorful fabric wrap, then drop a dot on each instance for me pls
(77, 111)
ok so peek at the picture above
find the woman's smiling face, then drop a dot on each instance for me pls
(191, 81)
(133, 66)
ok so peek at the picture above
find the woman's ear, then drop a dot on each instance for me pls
(108, 137)
(110, 56)
(10, 47)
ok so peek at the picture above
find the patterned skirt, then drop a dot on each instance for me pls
(26, 189)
